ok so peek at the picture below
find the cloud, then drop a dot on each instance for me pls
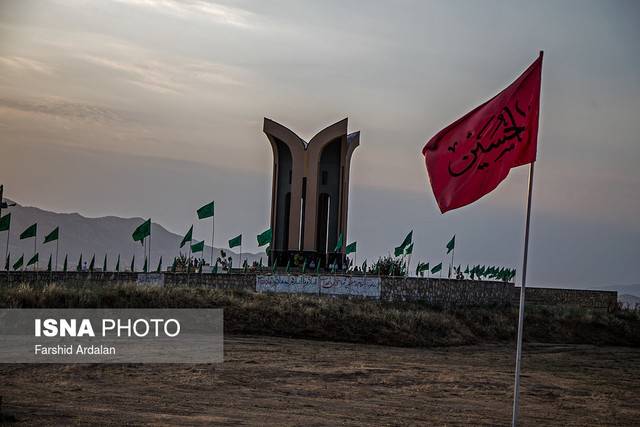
(66, 109)
(194, 9)
(20, 63)
(176, 76)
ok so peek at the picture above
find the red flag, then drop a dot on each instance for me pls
(470, 157)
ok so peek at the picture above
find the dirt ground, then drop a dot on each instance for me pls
(274, 381)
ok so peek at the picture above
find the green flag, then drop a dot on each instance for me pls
(236, 241)
(265, 237)
(49, 264)
(51, 236)
(79, 266)
(197, 247)
(288, 265)
(406, 242)
(133, 264)
(31, 231)
(5, 222)
(318, 267)
(408, 250)
(338, 247)
(118, 264)
(187, 237)
(422, 267)
(33, 259)
(104, 263)
(159, 269)
(275, 265)
(206, 211)
(144, 267)
(436, 268)
(18, 263)
(351, 248)
(92, 263)
(467, 270)
(304, 265)
(142, 231)
(64, 264)
(452, 244)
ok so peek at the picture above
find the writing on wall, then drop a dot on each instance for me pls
(319, 285)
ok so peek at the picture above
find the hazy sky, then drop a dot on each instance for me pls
(153, 107)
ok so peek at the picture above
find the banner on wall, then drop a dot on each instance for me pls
(319, 285)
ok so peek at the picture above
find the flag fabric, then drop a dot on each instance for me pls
(275, 265)
(142, 231)
(452, 244)
(236, 241)
(206, 211)
(187, 237)
(51, 236)
(33, 259)
(132, 267)
(92, 263)
(406, 242)
(159, 269)
(470, 157)
(422, 267)
(265, 237)
(304, 265)
(104, 263)
(408, 250)
(144, 267)
(288, 265)
(49, 263)
(118, 264)
(30, 231)
(317, 266)
(64, 264)
(18, 263)
(436, 268)
(79, 266)
(198, 247)
(5, 222)
(351, 248)
(339, 243)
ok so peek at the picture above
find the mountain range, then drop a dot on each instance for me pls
(108, 235)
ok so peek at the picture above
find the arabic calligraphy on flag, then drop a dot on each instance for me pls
(470, 157)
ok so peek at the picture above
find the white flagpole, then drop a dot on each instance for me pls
(516, 388)
(213, 227)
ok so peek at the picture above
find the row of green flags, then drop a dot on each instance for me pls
(263, 239)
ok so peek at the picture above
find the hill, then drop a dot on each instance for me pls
(108, 235)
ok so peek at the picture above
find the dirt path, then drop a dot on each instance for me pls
(272, 381)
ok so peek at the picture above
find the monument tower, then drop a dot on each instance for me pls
(310, 192)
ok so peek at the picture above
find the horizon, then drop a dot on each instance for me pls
(158, 113)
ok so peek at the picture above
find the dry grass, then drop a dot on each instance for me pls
(348, 320)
